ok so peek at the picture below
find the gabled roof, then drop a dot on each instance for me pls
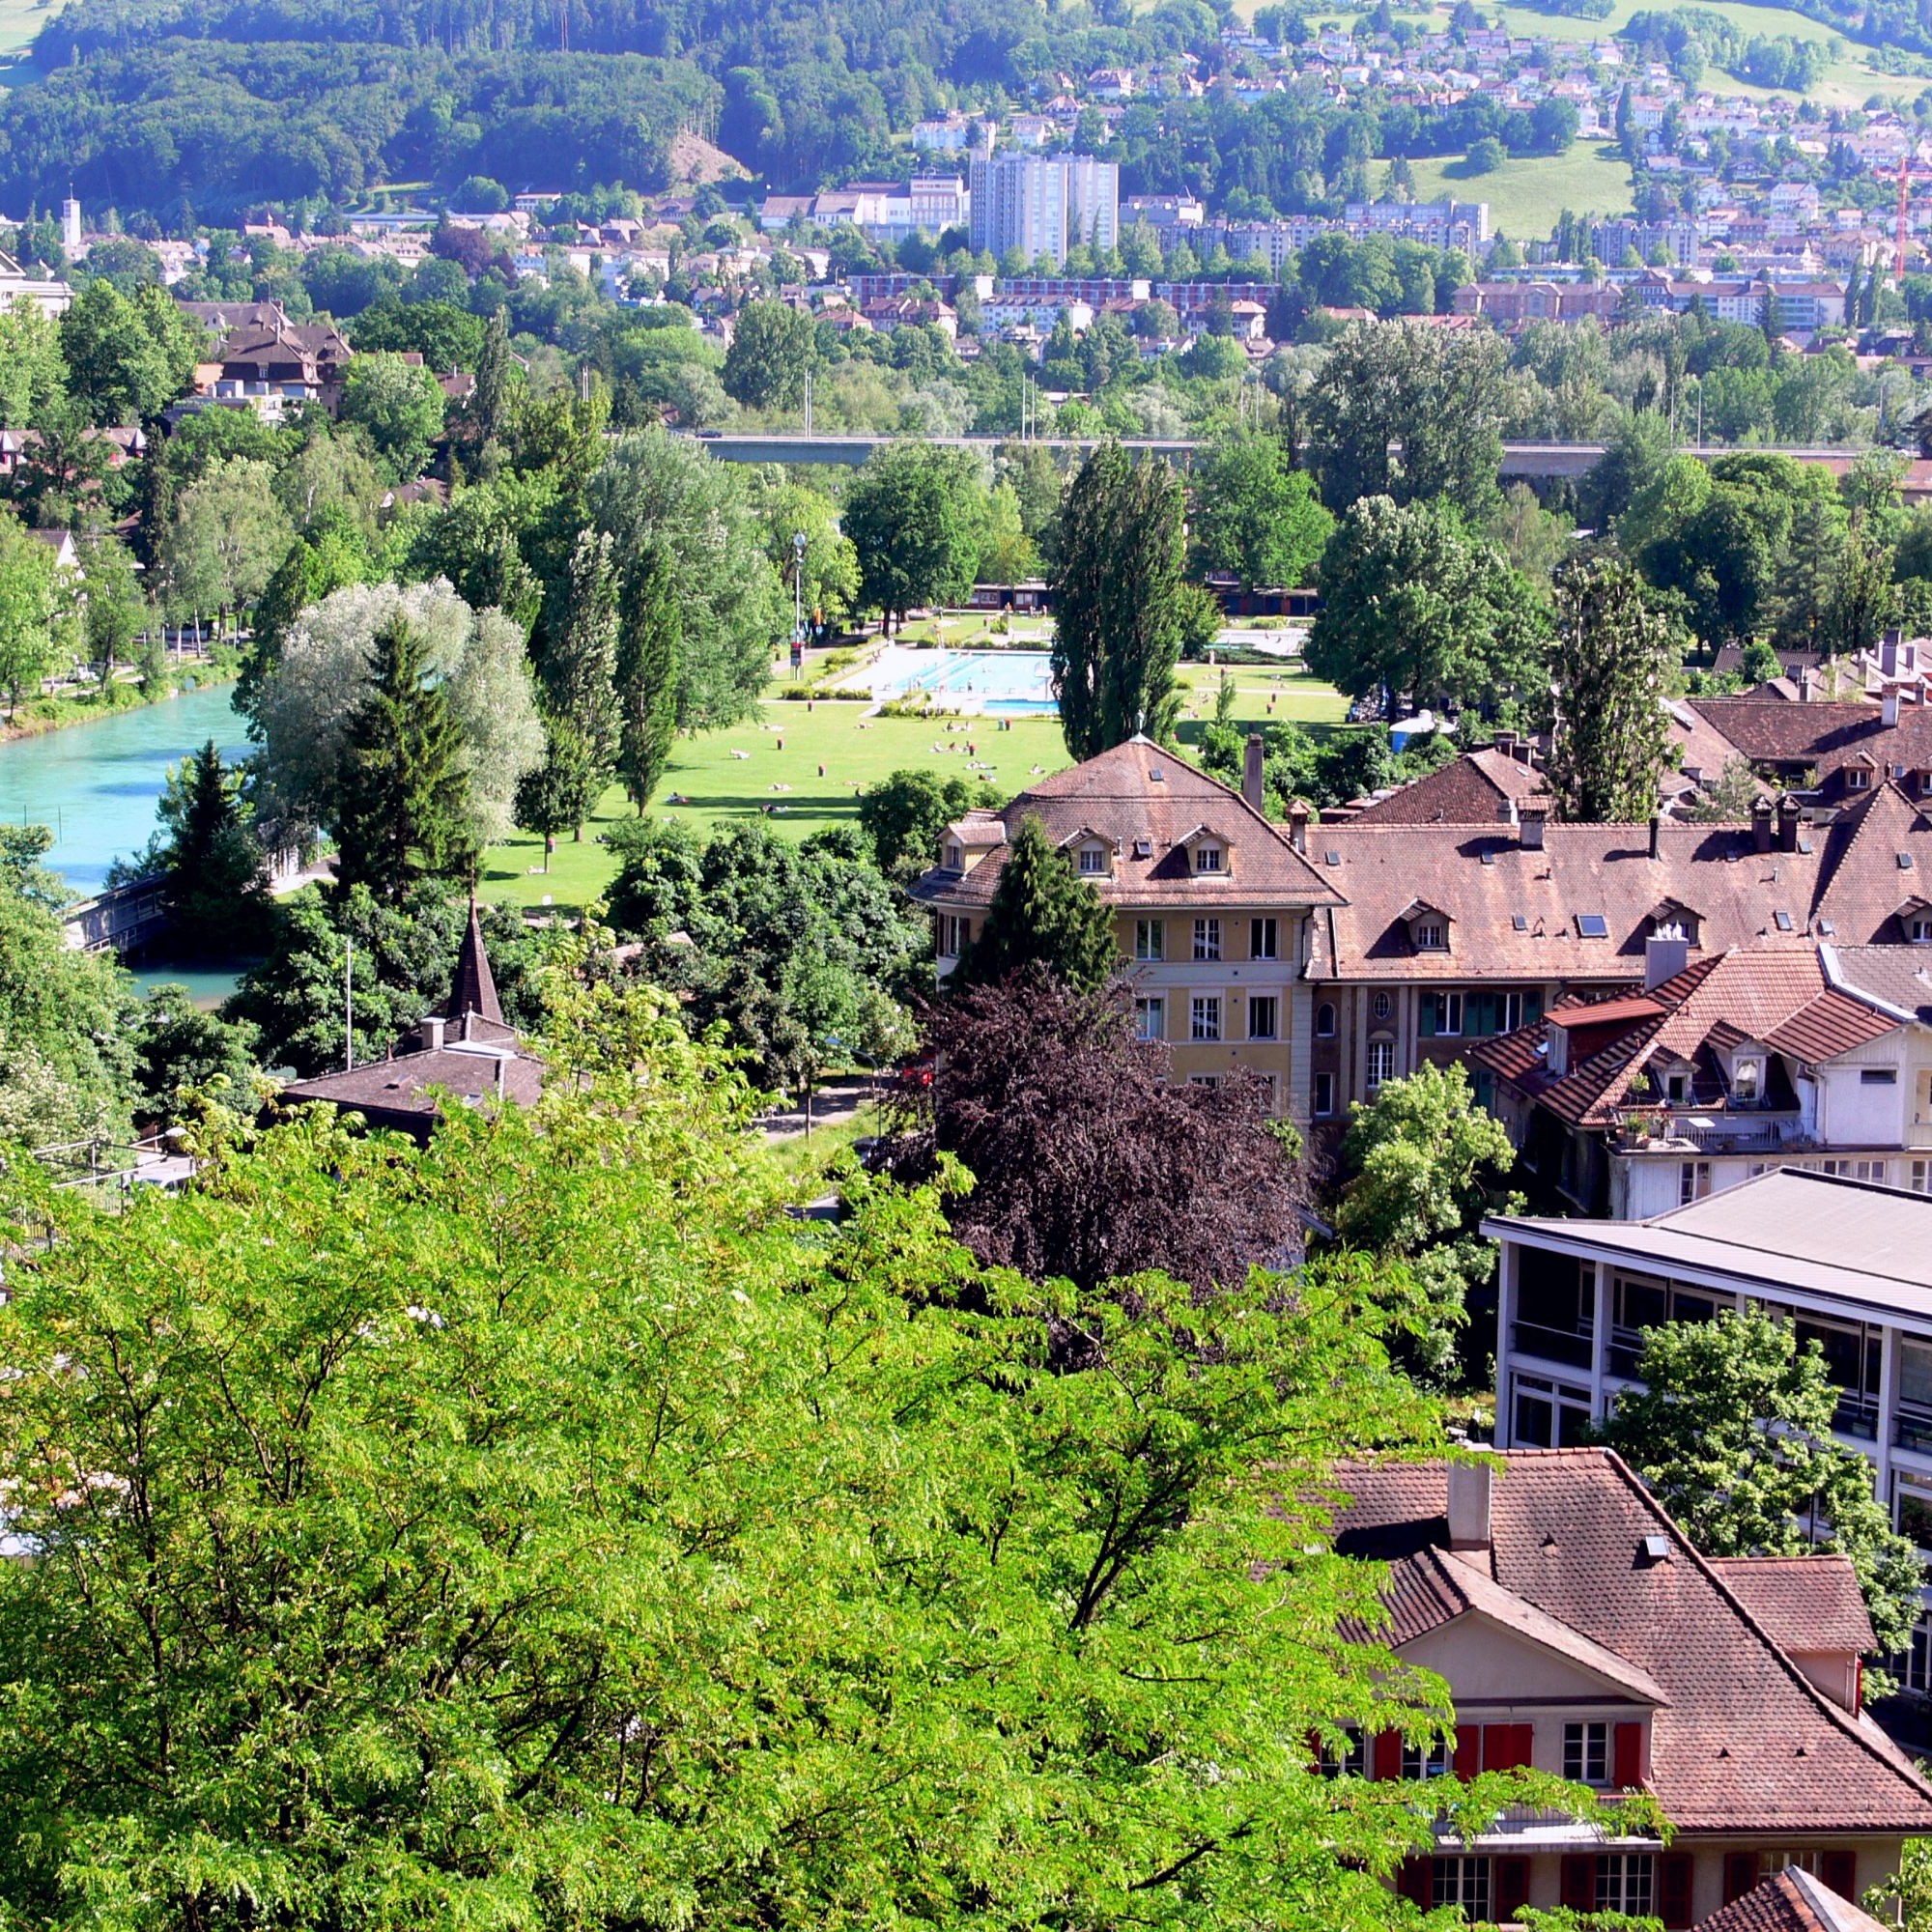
(1139, 792)
(1792, 1901)
(1745, 1743)
(1475, 789)
(1774, 732)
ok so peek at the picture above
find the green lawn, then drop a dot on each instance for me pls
(20, 22)
(789, 742)
(1527, 193)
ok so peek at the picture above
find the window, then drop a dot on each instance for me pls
(1092, 859)
(1857, 778)
(1441, 1016)
(1324, 1021)
(1693, 1180)
(1209, 1080)
(1913, 1667)
(1624, 1881)
(1548, 1415)
(1919, 929)
(1592, 925)
(1261, 939)
(1149, 939)
(1325, 1095)
(1586, 1753)
(956, 857)
(1150, 1018)
(1206, 858)
(1352, 1760)
(1204, 1016)
(1431, 936)
(1461, 1883)
(953, 933)
(1878, 1076)
(1922, 1177)
(1436, 1760)
(1381, 1006)
(1263, 1017)
(1207, 939)
(1748, 1081)
(1380, 1062)
(1915, 1510)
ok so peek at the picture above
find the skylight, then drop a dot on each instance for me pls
(1519, 922)
(1905, 862)
(1826, 927)
(1333, 856)
(1592, 925)
(1783, 920)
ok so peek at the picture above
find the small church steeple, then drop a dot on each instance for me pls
(473, 990)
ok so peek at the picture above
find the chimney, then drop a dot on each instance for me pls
(1298, 824)
(1761, 826)
(1664, 959)
(1788, 810)
(1656, 833)
(1253, 789)
(1470, 1487)
(1506, 745)
(1531, 813)
(1888, 708)
(432, 1033)
(1887, 653)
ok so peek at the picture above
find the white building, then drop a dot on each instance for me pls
(1045, 203)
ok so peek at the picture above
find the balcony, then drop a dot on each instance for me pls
(1659, 1130)
(1857, 1415)
(1913, 1430)
(1552, 1344)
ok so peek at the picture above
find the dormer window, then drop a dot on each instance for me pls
(1748, 1081)
(1857, 778)
(1207, 858)
(955, 855)
(1919, 929)
(1431, 936)
(1092, 859)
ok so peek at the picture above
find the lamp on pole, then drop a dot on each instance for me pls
(798, 590)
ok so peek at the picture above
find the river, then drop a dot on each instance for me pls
(97, 786)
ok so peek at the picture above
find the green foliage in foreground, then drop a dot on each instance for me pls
(541, 1530)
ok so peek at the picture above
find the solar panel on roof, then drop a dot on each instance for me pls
(1592, 925)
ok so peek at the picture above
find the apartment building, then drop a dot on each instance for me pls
(1849, 1261)
(1582, 1633)
(1043, 204)
(1212, 904)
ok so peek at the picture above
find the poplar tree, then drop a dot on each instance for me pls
(580, 666)
(402, 806)
(1117, 583)
(1042, 915)
(561, 792)
(649, 635)
(1615, 652)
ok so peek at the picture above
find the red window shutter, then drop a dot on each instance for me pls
(1468, 1758)
(1388, 1755)
(1627, 1751)
(1413, 1880)
(1840, 1872)
(1579, 1882)
(1675, 1871)
(1522, 1738)
(1511, 1876)
(1739, 1874)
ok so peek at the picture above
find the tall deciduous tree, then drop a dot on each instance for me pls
(773, 345)
(224, 542)
(1254, 514)
(914, 516)
(492, 399)
(580, 663)
(114, 610)
(401, 405)
(649, 634)
(1413, 604)
(559, 794)
(1865, 598)
(1732, 1427)
(1043, 915)
(1403, 410)
(128, 357)
(1116, 580)
(904, 814)
(402, 810)
(1615, 655)
(26, 608)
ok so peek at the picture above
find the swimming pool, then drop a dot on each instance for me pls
(1001, 683)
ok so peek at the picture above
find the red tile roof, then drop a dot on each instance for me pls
(1805, 1602)
(1475, 789)
(1777, 731)
(1138, 792)
(1745, 1743)
(1792, 1901)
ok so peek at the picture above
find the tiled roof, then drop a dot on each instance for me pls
(1792, 1901)
(1138, 792)
(1745, 1743)
(1901, 976)
(1518, 910)
(400, 1087)
(1783, 999)
(1475, 789)
(1805, 1602)
(1776, 731)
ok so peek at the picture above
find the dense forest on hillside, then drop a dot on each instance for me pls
(214, 102)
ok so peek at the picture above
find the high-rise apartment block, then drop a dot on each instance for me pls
(1045, 203)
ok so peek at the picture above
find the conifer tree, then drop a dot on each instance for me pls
(1116, 582)
(215, 894)
(401, 808)
(1615, 652)
(649, 634)
(1042, 915)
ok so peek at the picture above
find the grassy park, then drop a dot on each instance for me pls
(1529, 192)
(774, 762)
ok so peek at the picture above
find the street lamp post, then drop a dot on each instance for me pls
(798, 596)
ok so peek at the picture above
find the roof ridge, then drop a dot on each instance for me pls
(1806, 1688)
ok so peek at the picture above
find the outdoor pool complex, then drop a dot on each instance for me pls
(1000, 683)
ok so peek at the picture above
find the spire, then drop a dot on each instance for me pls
(473, 990)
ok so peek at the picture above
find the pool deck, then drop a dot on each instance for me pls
(971, 683)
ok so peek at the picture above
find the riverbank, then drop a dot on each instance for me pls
(34, 720)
